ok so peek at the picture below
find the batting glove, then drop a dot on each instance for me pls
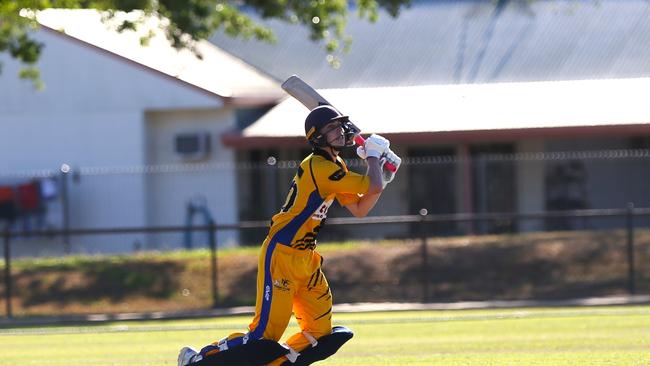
(392, 158)
(375, 146)
(387, 175)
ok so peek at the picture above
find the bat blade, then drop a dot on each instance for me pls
(303, 92)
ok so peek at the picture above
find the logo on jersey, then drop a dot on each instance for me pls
(282, 284)
(267, 293)
(321, 211)
(337, 175)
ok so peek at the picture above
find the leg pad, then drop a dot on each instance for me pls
(327, 346)
(255, 353)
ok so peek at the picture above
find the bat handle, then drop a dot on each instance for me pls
(360, 141)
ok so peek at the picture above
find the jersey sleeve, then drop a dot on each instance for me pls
(331, 178)
(347, 198)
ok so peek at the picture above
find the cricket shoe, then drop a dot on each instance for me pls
(186, 355)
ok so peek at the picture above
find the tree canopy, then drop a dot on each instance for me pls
(187, 21)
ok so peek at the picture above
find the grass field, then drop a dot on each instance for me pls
(549, 336)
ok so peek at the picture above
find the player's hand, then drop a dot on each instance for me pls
(387, 176)
(361, 152)
(392, 158)
(375, 146)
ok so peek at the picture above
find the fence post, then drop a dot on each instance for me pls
(7, 254)
(425, 256)
(272, 184)
(213, 263)
(65, 207)
(630, 249)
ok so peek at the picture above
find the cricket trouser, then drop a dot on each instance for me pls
(288, 280)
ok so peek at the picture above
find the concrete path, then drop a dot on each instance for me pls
(340, 308)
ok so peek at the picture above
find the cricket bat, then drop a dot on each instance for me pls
(311, 99)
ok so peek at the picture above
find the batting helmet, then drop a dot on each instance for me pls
(317, 119)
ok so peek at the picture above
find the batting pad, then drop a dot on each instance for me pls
(256, 353)
(327, 346)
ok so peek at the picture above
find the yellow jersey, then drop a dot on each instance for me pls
(317, 183)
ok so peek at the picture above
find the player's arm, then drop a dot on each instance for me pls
(374, 172)
(362, 207)
(376, 152)
(349, 187)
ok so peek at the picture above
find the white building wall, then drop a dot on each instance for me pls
(530, 184)
(85, 80)
(91, 114)
(211, 179)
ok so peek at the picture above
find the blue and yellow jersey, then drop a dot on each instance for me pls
(289, 277)
(317, 183)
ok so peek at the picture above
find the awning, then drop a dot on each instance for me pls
(472, 112)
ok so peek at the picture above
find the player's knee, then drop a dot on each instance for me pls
(323, 347)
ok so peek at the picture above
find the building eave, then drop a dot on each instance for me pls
(236, 140)
(218, 74)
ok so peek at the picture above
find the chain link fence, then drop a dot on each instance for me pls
(499, 225)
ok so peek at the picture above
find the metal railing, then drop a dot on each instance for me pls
(422, 219)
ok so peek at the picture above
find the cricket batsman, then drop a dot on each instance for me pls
(290, 278)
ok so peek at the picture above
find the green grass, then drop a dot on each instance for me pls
(552, 336)
(81, 260)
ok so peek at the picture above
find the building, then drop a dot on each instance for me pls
(551, 87)
(138, 127)
(515, 107)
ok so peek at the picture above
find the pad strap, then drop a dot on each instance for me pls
(325, 347)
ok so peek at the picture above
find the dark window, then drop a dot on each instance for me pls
(494, 185)
(432, 185)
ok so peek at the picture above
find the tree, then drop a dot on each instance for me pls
(191, 20)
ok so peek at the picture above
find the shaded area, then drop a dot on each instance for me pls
(552, 266)
(238, 281)
(107, 281)
(491, 267)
